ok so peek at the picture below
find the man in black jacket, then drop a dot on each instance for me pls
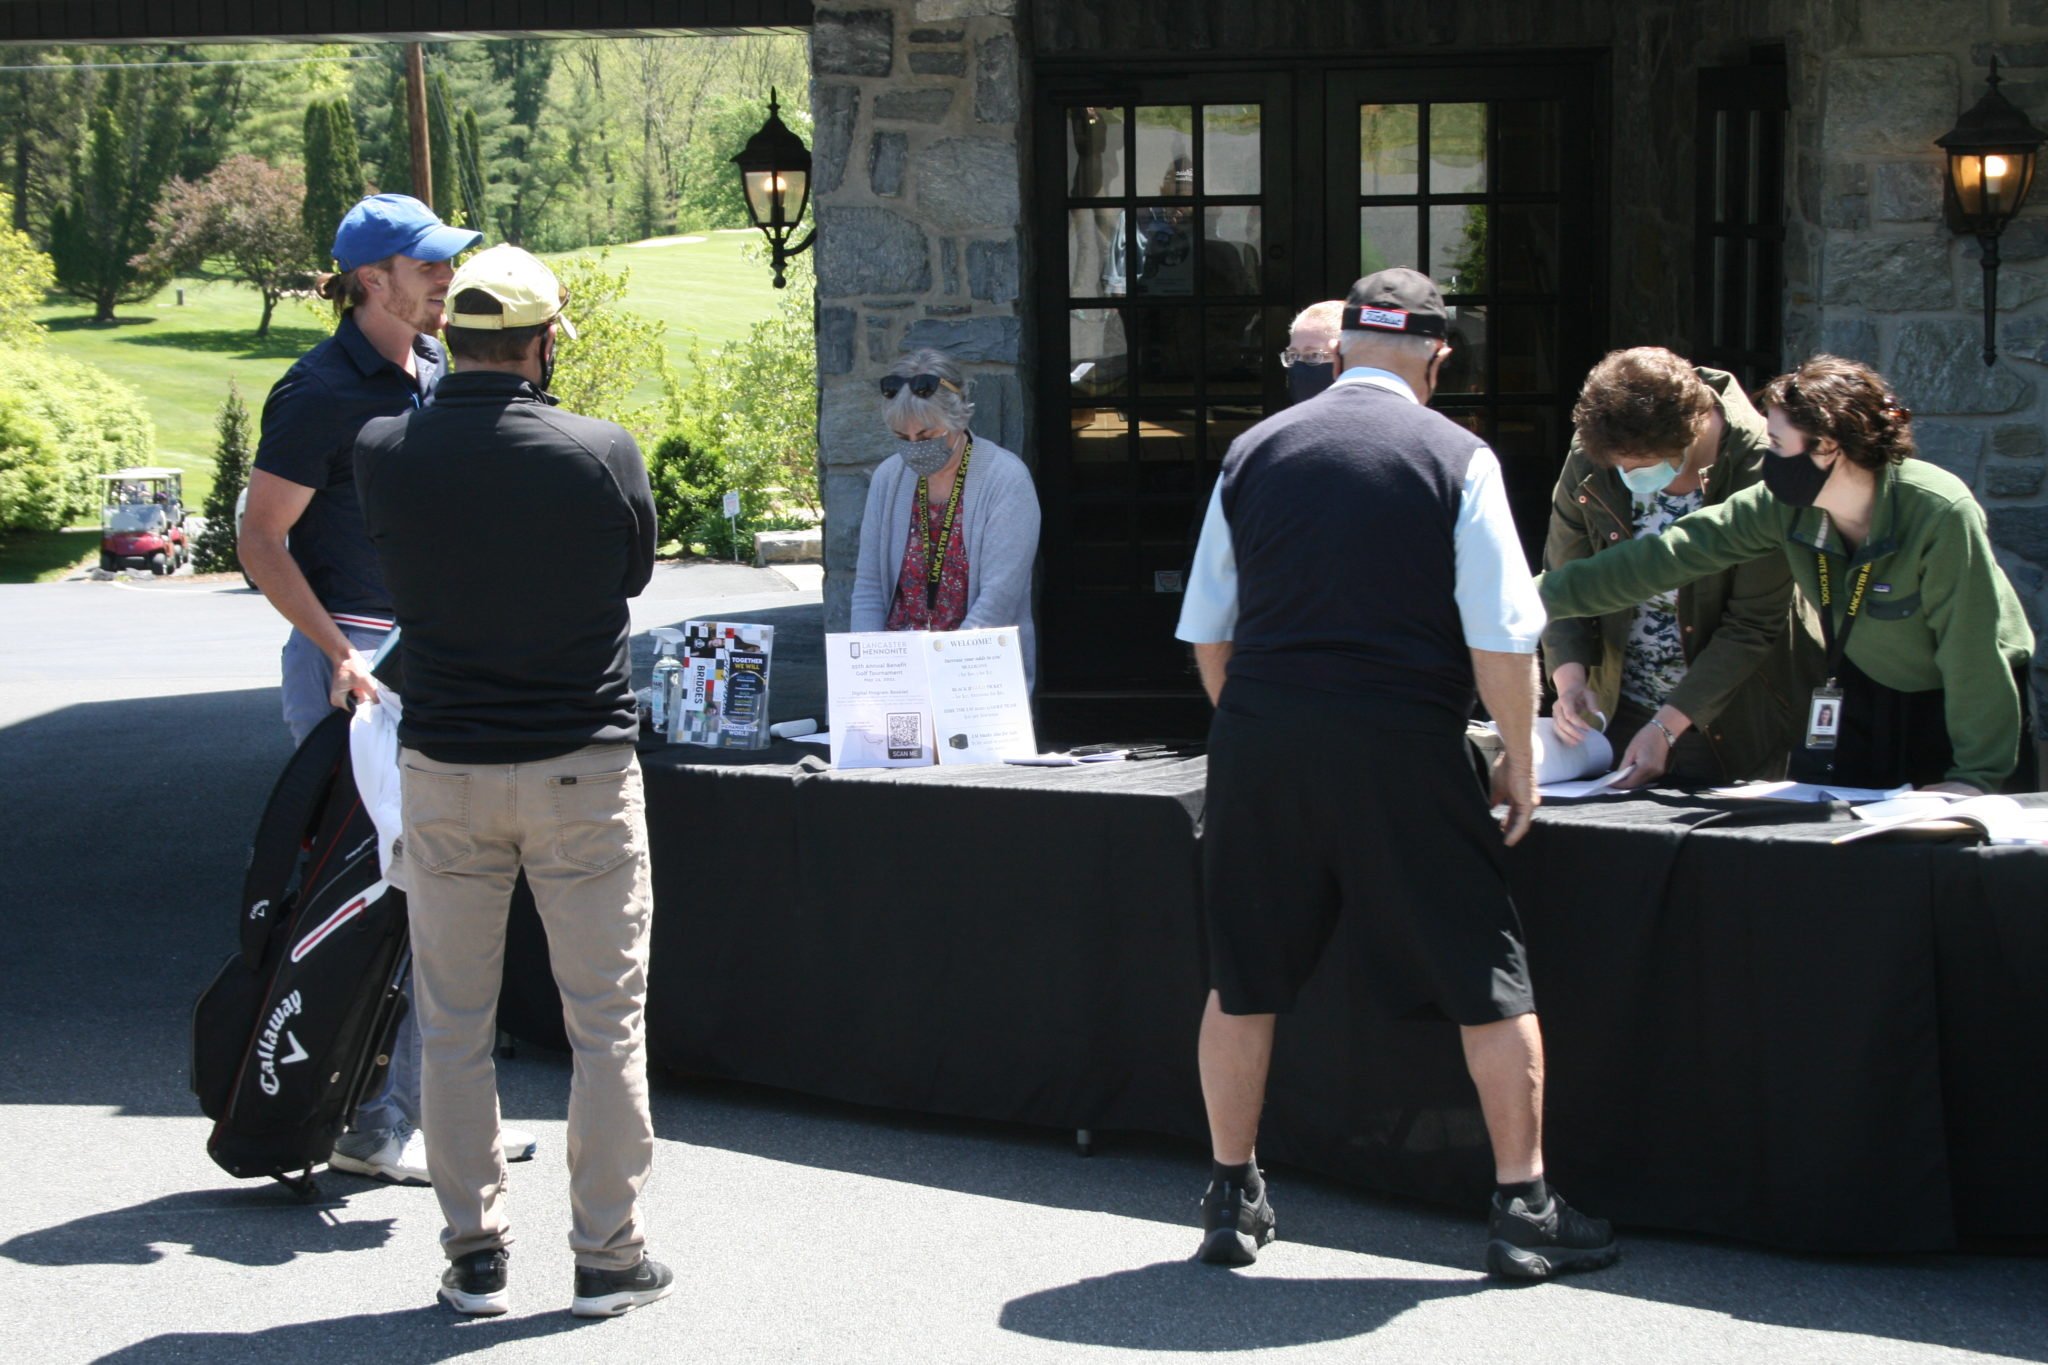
(517, 734)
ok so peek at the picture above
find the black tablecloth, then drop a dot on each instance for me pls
(1750, 1032)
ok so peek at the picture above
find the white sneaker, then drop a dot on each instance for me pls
(517, 1143)
(396, 1155)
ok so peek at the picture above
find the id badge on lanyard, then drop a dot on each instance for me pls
(1824, 716)
(1824, 711)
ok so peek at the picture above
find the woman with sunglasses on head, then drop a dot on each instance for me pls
(951, 527)
(1926, 646)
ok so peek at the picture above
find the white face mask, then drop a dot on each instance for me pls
(926, 457)
(1649, 480)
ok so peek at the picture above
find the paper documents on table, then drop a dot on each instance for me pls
(2002, 819)
(1070, 760)
(1592, 786)
(1809, 792)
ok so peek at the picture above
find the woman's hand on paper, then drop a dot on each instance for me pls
(1650, 751)
(1574, 709)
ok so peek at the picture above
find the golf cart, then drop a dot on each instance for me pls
(142, 520)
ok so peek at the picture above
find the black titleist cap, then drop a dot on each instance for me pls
(1396, 300)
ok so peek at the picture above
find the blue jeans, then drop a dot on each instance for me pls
(307, 677)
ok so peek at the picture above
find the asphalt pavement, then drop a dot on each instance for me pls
(139, 734)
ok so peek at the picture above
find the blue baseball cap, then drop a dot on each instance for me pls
(386, 225)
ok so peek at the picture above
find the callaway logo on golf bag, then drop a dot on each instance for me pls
(297, 1026)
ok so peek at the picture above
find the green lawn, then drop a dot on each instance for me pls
(181, 357)
(45, 556)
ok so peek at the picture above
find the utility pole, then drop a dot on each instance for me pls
(416, 115)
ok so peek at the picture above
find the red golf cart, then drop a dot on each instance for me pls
(142, 520)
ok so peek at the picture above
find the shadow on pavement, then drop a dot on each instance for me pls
(412, 1336)
(1182, 1306)
(252, 1226)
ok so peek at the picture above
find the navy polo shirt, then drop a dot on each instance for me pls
(310, 423)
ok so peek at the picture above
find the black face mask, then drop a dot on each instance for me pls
(1795, 479)
(1306, 381)
(547, 366)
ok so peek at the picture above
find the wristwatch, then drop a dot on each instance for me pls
(1670, 740)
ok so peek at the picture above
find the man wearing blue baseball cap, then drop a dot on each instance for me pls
(302, 539)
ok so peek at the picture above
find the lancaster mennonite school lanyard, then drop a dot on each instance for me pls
(935, 554)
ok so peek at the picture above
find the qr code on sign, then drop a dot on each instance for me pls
(906, 734)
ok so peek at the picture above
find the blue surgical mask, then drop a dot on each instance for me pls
(1647, 481)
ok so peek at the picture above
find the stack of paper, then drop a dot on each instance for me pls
(2002, 819)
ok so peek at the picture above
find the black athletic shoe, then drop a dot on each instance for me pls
(608, 1293)
(476, 1284)
(1234, 1226)
(1535, 1244)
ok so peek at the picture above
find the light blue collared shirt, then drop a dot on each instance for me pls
(1496, 594)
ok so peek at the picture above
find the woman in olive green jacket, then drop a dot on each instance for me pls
(1702, 688)
(1926, 643)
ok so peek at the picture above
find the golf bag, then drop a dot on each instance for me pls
(297, 1027)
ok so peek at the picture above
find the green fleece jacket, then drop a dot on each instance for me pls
(1939, 612)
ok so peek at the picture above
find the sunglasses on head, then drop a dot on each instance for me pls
(922, 385)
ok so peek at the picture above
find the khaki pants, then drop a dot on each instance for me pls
(577, 824)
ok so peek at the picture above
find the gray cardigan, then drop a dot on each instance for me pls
(998, 516)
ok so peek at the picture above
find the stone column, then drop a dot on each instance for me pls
(918, 172)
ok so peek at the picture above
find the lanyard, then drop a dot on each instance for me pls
(1836, 645)
(921, 510)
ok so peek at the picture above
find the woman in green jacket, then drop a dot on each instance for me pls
(1925, 643)
(1698, 683)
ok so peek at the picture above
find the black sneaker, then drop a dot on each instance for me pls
(1535, 1244)
(608, 1293)
(476, 1284)
(1234, 1226)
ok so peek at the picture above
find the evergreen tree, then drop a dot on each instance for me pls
(214, 551)
(470, 164)
(334, 174)
(394, 172)
(98, 241)
(441, 149)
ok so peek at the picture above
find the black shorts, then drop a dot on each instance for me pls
(1321, 804)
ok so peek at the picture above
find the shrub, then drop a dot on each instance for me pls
(31, 468)
(214, 551)
(62, 423)
(596, 372)
(754, 402)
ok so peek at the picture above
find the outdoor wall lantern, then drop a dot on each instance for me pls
(775, 171)
(1991, 155)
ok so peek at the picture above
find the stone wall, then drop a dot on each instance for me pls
(919, 175)
(1875, 274)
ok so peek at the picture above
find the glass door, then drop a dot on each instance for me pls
(1160, 313)
(1180, 223)
(1487, 182)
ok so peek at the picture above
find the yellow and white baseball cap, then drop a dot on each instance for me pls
(516, 278)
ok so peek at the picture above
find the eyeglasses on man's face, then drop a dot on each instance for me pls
(1295, 355)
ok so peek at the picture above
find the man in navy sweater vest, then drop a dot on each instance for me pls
(1358, 577)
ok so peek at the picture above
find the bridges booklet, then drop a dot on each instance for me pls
(910, 698)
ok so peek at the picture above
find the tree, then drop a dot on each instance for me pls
(334, 172)
(469, 163)
(214, 551)
(441, 149)
(524, 65)
(241, 223)
(101, 239)
(25, 276)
